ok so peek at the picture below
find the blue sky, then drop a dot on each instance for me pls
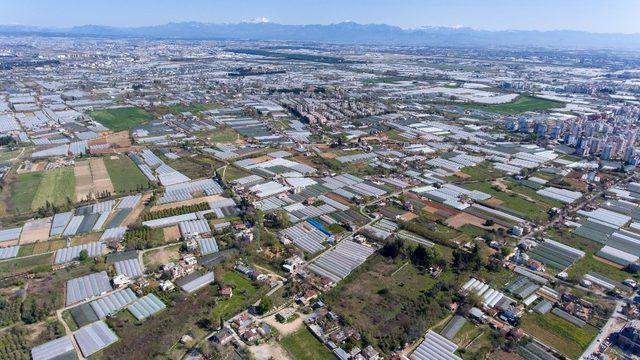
(589, 15)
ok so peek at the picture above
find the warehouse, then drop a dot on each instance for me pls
(95, 337)
(87, 286)
(146, 306)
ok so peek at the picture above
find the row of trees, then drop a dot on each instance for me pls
(175, 211)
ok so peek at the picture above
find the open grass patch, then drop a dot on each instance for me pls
(244, 294)
(125, 175)
(522, 103)
(56, 188)
(22, 190)
(302, 345)
(222, 134)
(121, 118)
(33, 263)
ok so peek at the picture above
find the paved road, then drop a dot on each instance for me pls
(614, 324)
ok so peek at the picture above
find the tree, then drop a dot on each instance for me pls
(84, 255)
(265, 305)
(423, 258)
(392, 248)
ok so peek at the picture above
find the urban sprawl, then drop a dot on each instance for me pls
(179, 199)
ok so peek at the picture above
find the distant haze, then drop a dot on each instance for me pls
(600, 16)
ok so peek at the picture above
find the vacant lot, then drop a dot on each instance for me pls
(518, 200)
(521, 104)
(244, 294)
(125, 175)
(92, 179)
(302, 345)
(388, 300)
(57, 188)
(121, 118)
(154, 258)
(157, 335)
(562, 335)
(223, 134)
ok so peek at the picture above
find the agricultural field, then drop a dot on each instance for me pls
(121, 118)
(522, 103)
(56, 188)
(91, 179)
(125, 175)
(21, 191)
(562, 335)
(302, 345)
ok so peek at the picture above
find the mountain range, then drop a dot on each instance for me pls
(348, 33)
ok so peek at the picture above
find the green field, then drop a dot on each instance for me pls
(125, 175)
(23, 190)
(8, 155)
(481, 172)
(224, 134)
(522, 103)
(34, 263)
(589, 263)
(57, 187)
(560, 334)
(302, 345)
(244, 294)
(121, 118)
(519, 200)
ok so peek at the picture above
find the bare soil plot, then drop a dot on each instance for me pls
(494, 202)
(328, 155)
(92, 178)
(157, 257)
(84, 182)
(36, 230)
(171, 233)
(85, 239)
(267, 351)
(461, 219)
(101, 180)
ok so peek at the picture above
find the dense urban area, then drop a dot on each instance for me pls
(178, 199)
